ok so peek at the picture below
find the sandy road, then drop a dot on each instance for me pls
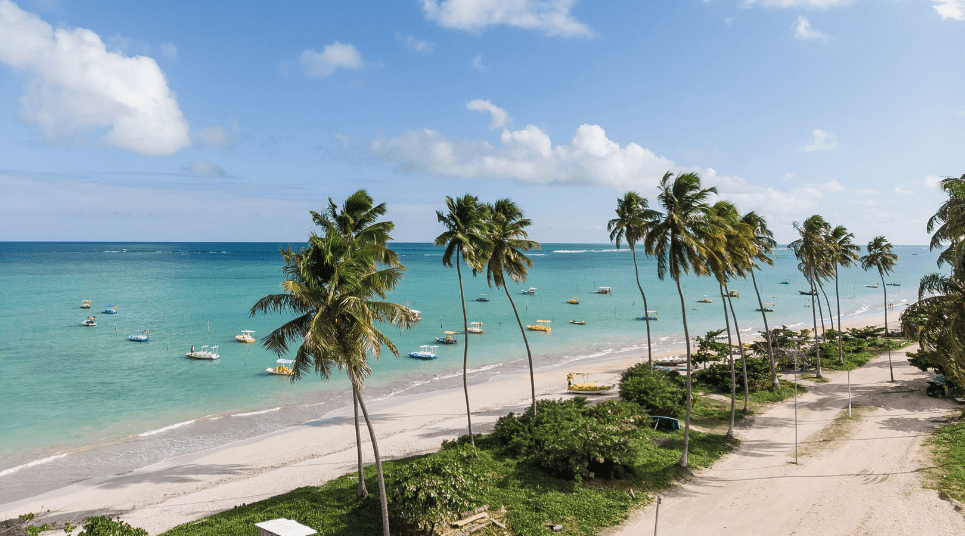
(859, 477)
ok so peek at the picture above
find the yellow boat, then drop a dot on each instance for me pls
(245, 336)
(476, 327)
(85, 305)
(541, 325)
(574, 301)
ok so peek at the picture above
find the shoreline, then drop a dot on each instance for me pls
(233, 471)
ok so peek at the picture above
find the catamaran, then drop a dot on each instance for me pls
(140, 336)
(283, 369)
(91, 321)
(245, 336)
(541, 325)
(427, 352)
(203, 354)
(476, 327)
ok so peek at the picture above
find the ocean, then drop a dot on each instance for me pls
(80, 402)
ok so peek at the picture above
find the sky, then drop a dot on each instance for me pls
(230, 121)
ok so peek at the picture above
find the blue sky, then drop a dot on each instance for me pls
(229, 121)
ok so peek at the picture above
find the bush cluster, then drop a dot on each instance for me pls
(717, 376)
(659, 392)
(573, 439)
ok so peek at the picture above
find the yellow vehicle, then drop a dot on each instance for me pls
(541, 325)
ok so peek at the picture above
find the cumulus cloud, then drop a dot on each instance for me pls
(75, 87)
(903, 191)
(810, 4)
(934, 181)
(477, 63)
(216, 135)
(804, 31)
(823, 141)
(552, 17)
(416, 45)
(866, 192)
(203, 168)
(321, 64)
(950, 9)
(499, 116)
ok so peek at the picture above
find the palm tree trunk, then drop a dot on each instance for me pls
(646, 313)
(740, 346)
(814, 315)
(767, 332)
(828, 302)
(378, 467)
(820, 310)
(529, 355)
(837, 297)
(465, 350)
(683, 309)
(887, 340)
(730, 359)
(361, 492)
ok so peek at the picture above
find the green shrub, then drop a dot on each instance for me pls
(659, 392)
(105, 526)
(717, 376)
(572, 439)
(440, 486)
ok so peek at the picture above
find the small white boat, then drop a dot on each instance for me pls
(140, 336)
(91, 321)
(768, 308)
(427, 352)
(85, 304)
(530, 292)
(203, 354)
(283, 369)
(705, 300)
(604, 290)
(476, 327)
(245, 336)
(873, 285)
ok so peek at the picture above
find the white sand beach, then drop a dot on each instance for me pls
(866, 483)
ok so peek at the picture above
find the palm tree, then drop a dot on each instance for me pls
(948, 223)
(881, 256)
(465, 235)
(634, 219)
(677, 240)
(811, 251)
(336, 289)
(844, 254)
(507, 234)
(763, 240)
(359, 220)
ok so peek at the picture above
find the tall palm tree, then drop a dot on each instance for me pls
(678, 241)
(811, 250)
(359, 220)
(763, 240)
(844, 253)
(507, 234)
(633, 221)
(948, 222)
(336, 289)
(465, 236)
(881, 256)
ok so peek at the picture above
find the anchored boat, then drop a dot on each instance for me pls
(91, 321)
(245, 336)
(140, 336)
(427, 352)
(476, 327)
(448, 339)
(541, 325)
(203, 354)
(283, 369)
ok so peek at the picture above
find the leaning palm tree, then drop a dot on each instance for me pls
(507, 234)
(811, 250)
(677, 240)
(844, 253)
(948, 222)
(336, 289)
(881, 256)
(764, 244)
(465, 235)
(633, 221)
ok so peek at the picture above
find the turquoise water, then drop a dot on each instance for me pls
(76, 397)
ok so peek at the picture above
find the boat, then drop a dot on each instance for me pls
(604, 290)
(476, 327)
(85, 304)
(574, 301)
(283, 369)
(705, 300)
(427, 352)
(893, 284)
(873, 285)
(651, 315)
(111, 310)
(448, 339)
(734, 294)
(541, 325)
(416, 314)
(807, 293)
(140, 336)
(786, 282)
(578, 322)
(585, 388)
(482, 298)
(91, 321)
(768, 308)
(245, 336)
(530, 292)
(203, 354)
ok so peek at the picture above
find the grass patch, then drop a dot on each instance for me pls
(838, 430)
(948, 445)
(786, 391)
(811, 377)
(531, 497)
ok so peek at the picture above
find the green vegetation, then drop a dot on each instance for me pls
(948, 444)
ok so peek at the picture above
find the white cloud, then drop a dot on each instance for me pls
(321, 64)
(823, 141)
(903, 191)
(950, 9)
(811, 4)
(218, 136)
(75, 86)
(416, 45)
(552, 17)
(477, 63)
(866, 192)
(203, 168)
(934, 181)
(169, 50)
(499, 116)
(804, 32)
